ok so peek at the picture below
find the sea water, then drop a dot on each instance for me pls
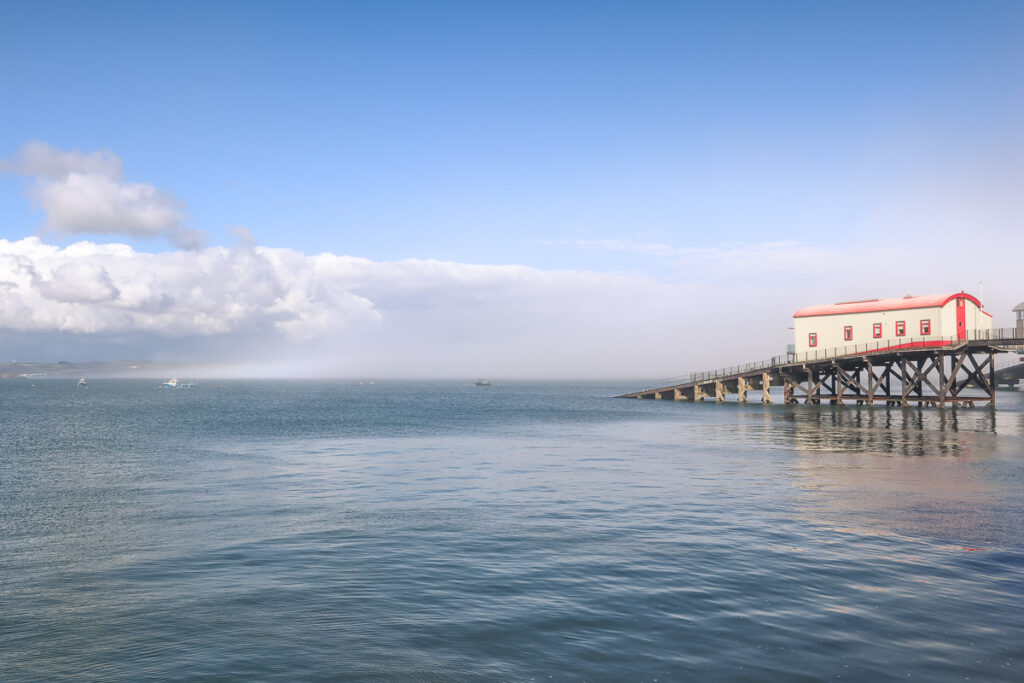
(525, 531)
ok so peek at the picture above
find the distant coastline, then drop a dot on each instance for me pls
(92, 369)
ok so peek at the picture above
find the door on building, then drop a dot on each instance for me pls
(961, 319)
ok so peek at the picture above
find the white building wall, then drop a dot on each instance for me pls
(829, 328)
(975, 318)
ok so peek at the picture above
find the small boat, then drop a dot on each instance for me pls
(82, 383)
(173, 383)
(481, 383)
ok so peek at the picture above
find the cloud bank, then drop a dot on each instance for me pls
(287, 313)
(86, 193)
(91, 288)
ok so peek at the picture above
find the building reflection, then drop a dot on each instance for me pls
(894, 431)
(923, 473)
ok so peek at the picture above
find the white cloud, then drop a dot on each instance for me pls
(335, 314)
(79, 282)
(43, 161)
(86, 193)
(242, 234)
(92, 288)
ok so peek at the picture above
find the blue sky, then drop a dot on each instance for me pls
(657, 140)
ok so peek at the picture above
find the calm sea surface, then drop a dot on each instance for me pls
(440, 531)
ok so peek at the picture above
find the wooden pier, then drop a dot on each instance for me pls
(938, 373)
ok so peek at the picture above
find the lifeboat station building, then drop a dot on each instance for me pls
(890, 324)
(929, 350)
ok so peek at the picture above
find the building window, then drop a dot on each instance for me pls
(901, 328)
(812, 339)
(848, 332)
(876, 330)
(926, 327)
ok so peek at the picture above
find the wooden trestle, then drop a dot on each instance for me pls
(933, 378)
(961, 376)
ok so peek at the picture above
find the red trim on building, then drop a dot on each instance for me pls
(935, 301)
(961, 319)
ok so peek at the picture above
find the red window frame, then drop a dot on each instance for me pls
(901, 328)
(812, 339)
(876, 330)
(848, 333)
(926, 327)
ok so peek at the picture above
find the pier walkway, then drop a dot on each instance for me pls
(930, 371)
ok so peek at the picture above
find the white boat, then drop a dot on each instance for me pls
(173, 383)
(82, 383)
(481, 383)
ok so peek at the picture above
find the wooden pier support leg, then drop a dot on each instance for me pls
(742, 387)
(871, 384)
(940, 363)
(905, 385)
(766, 384)
(719, 392)
(921, 380)
(992, 379)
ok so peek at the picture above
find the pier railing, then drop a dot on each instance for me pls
(1008, 333)
(874, 346)
(737, 369)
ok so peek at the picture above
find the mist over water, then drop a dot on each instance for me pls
(439, 531)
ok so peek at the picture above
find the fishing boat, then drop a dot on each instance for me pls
(82, 383)
(481, 383)
(173, 383)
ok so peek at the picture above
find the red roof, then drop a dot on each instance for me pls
(873, 305)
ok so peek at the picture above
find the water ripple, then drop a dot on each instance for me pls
(320, 532)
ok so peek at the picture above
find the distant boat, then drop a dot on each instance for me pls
(481, 383)
(83, 383)
(173, 383)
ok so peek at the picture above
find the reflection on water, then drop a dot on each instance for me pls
(893, 431)
(913, 473)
